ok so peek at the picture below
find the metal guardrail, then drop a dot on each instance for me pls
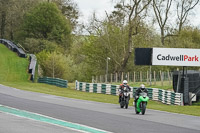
(13, 47)
(166, 97)
(21, 53)
(32, 66)
(54, 81)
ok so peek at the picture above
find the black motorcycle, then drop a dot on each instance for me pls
(125, 97)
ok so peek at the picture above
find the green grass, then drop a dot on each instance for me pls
(12, 67)
(13, 73)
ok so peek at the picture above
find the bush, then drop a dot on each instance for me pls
(57, 65)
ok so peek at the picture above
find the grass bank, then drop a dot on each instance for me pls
(12, 67)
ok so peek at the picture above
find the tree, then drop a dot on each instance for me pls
(11, 16)
(161, 11)
(136, 12)
(183, 9)
(35, 46)
(69, 9)
(56, 65)
(3, 13)
(45, 21)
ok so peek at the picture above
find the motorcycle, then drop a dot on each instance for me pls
(141, 103)
(125, 97)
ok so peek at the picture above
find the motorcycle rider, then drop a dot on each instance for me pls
(124, 84)
(138, 91)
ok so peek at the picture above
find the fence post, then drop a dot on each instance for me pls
(122, 77)
(111, 78)
(128, 77)
(116, 76)
(169, 78)
(161, 76)
(140, 76)
(154, 75)
(150, 76)
(100, 79)
(96, 79)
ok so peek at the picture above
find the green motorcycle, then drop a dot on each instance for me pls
(141, 103)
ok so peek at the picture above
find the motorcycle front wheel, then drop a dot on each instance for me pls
(127, 102)
(121, 105)
(136, 108)
(143, 108)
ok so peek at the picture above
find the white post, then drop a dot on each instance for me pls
(154, 77)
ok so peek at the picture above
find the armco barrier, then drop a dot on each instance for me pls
(32, 66)
(21, 53)
(13, 47)
(54, 81)
(164, 96)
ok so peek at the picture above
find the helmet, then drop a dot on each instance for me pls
(142, 86)
(125, 82)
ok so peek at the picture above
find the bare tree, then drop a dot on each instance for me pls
(136, 12)
(161, 10)
(183, 9)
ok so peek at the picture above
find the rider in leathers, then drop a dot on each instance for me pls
(125, 84)
(138, 91)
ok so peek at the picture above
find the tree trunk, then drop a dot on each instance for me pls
(162, 37)
(3, 24)
(128, 52)
(11, 31)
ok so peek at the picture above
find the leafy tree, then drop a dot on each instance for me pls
(56, 65)
(11, 16)
(69, 9)
(189, 37)
(35, 46)
(46, 21)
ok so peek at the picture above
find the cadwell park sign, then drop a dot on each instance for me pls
(176, 57)
(185, 82)
(167, 56)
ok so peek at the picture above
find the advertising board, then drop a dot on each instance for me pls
(176, 57)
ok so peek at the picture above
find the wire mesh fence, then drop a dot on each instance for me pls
(154, 78)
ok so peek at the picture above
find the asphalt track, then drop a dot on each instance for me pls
(108, 117)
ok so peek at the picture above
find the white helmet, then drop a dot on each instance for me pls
(142, 86)
(125, 82)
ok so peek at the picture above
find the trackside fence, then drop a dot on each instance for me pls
(32, 66)
(21, 53)
(53, 81)
(156, 94)
(12, 46)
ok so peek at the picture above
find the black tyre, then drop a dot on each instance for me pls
(136, 108)
(126, 105)
(143, 108)
(136, 111)
(121, 105)
(127, 102)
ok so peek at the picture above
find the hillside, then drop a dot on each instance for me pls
(12, 67)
